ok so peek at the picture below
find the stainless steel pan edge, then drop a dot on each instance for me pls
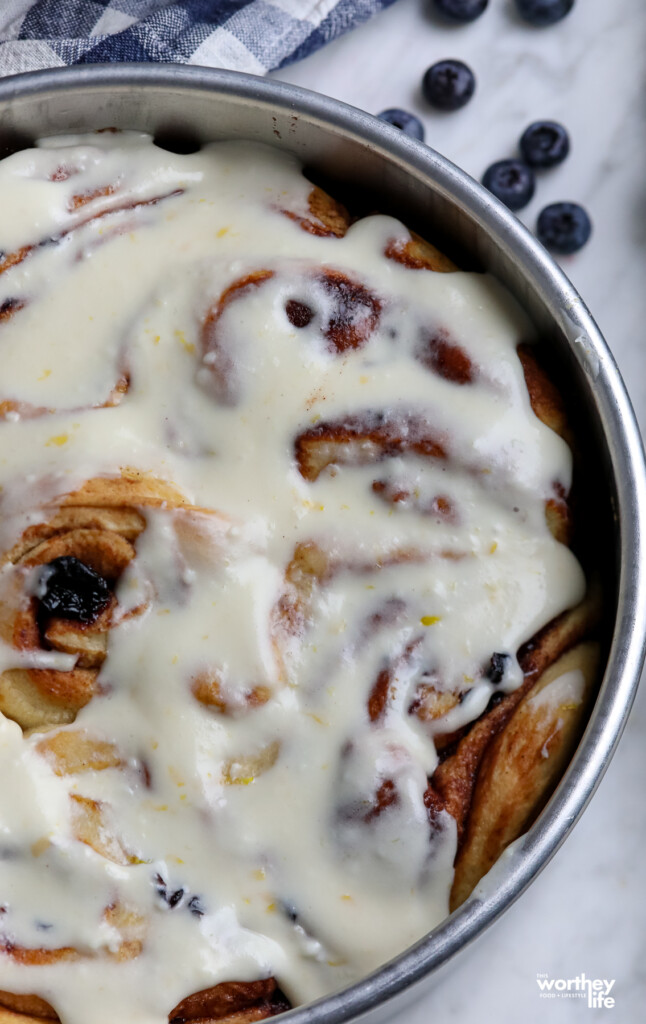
(353, 146)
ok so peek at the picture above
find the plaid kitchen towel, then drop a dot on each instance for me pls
(247, 35)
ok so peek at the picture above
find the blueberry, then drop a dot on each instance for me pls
(71, 589)
(170, 898)
(497, 668)
(544, 12)
(449, 84)
(195, 906)
(408, 123)
(544, 144)
(461, 10)
(511, 181)
(298, 313)
(563, 227)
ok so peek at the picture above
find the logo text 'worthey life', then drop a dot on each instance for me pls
(596, 991)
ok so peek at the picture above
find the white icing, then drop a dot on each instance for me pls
(129, 292)
(565, 690)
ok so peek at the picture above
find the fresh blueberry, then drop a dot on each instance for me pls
(511, 181)
(409, 124)
(461, 10)
(72, 590)
(563, 227)
(544, 144)
(449, 84)
(497, 668)
(544, 12)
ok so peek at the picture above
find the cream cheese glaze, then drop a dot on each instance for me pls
(265, 817)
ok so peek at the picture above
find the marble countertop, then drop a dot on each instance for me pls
(586, 913)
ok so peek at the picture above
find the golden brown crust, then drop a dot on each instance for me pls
(325, 216)
(453, 783)
(10, 307)
(440, 354)
(548, 405)
(32, 1006)
(232, 1001)
(106, 552)
(73, 751)
(38, 700)
(356, 310)
(418, 254)
(227, 1003)
(88, 641)
(208, 689)
(91, 826)
(8, 1016)
(128, 523)
(544, 396)
(358, 441)
(133, 488)
(521, 767)
(83, 198)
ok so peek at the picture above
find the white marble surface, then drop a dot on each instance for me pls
(587, 911)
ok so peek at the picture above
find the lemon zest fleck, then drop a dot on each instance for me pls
(430, 620)
(317, 718)
(188, 345)
(58, 440)
(242, 780)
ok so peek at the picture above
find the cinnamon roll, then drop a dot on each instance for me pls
(293, 638)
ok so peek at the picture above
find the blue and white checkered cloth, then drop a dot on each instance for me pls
(246, 35)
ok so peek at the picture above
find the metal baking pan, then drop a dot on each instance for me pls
(191, 105)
